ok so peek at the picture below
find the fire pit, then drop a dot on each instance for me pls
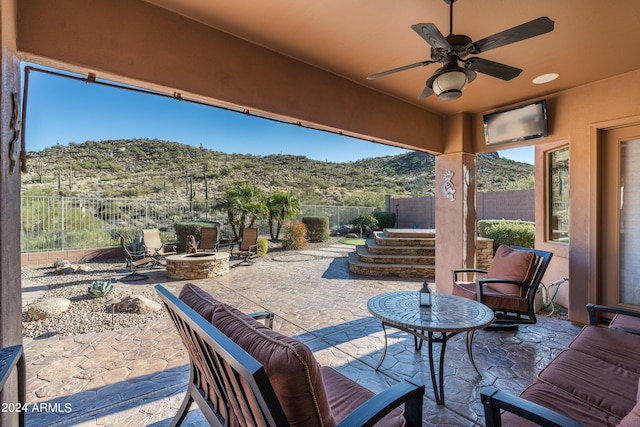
(200, 265)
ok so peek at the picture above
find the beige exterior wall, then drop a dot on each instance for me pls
(576, 117)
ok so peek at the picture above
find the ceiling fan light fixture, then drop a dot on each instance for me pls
(449, 85)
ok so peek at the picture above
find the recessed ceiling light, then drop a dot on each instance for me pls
(545, 78)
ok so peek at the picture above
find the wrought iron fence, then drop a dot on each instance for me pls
(63, 223)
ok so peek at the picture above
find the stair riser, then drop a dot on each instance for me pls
(392, 271)
(395, 250)
(425, 243)
(397, 260)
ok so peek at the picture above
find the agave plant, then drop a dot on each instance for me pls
(100, 288)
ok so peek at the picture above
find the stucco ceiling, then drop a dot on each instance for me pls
(592, 40)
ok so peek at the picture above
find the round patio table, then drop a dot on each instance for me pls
(448, 316)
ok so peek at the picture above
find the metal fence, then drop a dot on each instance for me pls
(63, 223)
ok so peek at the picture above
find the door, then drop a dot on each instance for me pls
(620, 218)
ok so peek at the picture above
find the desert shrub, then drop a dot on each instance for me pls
(364, 224)
(295, 235)
(483, 224)
(186, 228)
(263, 247)
(317, 228)
(385, 219)
(512, 233)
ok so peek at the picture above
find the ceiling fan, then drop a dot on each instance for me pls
(456, 71)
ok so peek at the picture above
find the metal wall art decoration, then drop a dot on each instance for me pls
(16, 149)
(447, 187)
(469, 176)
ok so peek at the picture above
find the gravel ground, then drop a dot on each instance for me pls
(85, 315)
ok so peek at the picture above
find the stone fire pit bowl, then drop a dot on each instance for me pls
(201, 265)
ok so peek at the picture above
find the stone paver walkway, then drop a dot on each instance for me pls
(137, 376)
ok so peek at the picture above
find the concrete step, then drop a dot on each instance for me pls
(410, 233)
(383, 240)
(393, 258)
(375, 248)
(357, 266)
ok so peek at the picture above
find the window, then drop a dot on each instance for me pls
(558, 190)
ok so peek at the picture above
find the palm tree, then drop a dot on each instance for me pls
(243, 202)
(281, 206)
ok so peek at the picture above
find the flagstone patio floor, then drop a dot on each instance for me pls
(137, 376)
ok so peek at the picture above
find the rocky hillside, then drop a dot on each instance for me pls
(169, 170)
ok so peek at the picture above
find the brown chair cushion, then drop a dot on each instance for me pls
(590, 379)
(292, 370)
(346, 395)
(562, 402)
(614, 347)
(627, 323)
(200, 301)
(511, 264)
(491, 298)
(633, 418)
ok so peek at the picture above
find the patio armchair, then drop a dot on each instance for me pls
(136, 258)
(209, 239)
(245, 373)
(508, 287)
(248, 246)
(155, 248)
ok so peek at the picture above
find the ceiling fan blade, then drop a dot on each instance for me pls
(426, 92)
(493, 69)
(521, 32)
(431, 34)
(395, 70)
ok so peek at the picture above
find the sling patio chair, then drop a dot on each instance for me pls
(209, 239)
(136, 258)
(248, 246)
(508, 287)
(155, 248)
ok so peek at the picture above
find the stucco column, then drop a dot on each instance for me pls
(456, 216)
(10, 288)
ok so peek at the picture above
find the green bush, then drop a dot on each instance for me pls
(483, 224)
(186, 228)
(364, 224)
(511, 233)
(295, 235)
(263, 247)
(385, 219)
(317, 228)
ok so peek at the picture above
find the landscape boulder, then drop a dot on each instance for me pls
(137, 304)
(48, 307)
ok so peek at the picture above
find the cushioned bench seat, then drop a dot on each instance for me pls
(594, 382)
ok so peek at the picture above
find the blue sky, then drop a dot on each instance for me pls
(62, 110)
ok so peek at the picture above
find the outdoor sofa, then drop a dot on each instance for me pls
(245, 373)
(594, 382)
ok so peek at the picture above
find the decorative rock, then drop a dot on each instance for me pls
(352, 236)
(61, 263)
(48, 307)
(137, 304)
(67, 269)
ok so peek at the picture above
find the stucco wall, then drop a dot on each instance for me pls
(577, 117)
